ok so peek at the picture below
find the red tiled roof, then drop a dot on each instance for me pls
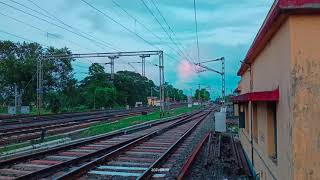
(258, 96)
(276, 16)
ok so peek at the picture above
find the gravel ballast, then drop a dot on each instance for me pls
(175, 162)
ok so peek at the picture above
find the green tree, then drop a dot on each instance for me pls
(174, 93)
(18, 64)
(96, 90)
(204, 95)
(132, 87)
(62, 92)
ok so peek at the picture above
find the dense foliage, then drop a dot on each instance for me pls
(203, 94)
(62, 92)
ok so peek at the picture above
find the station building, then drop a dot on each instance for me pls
(279, 93)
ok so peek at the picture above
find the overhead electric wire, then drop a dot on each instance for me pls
(134, 18)
(54, 24)
(139, 22)
(75, 29)
(76, 33)
(130, 64)
(38, 12)
(41, 30)
(157, 20)
(20, 37)
(143, 25)
(196, 24)
(126, 28)
(169, 27)
(55, 18)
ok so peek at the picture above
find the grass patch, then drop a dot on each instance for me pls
(102, 128)
(13, 147)
(29, 143)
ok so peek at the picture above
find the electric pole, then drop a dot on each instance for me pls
(39, 84)
(15, 98)
(112, 65)
(223, 79)
(199, 93)
(143, 62)
(222, 73)
(112, 56)
(161, 74)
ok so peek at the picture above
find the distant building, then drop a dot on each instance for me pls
(152, 101)
(279, 96)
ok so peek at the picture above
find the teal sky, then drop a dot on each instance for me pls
(225, 27)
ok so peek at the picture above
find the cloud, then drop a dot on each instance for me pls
(226, 28)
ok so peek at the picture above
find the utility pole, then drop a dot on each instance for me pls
(94, 99)
(15, 98)
(199, 94)
(39, 84)
(223, 80)
(112, 65)
(161, 74)
(190, 102)
(112, 56)
(222, 73)
(143, 57)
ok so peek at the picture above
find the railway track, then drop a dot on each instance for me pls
(15, 134)
(23, 120)
(140, 159)
(68, 161)
(217, 156)
(33, 121)
(189, 162)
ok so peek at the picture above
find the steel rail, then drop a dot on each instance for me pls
(24, 118)
(32, 120)
(86, 167)
(58, 127)
(15, 160)
(53, 169)
(148, 173)
(57, 124)
(191, 159)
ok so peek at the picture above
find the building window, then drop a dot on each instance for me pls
(255, 122)
(242, 117)
(247, 117)
(272, 131)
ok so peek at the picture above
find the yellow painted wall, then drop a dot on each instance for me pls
(305, 78)
(290, 61)
(271, 70)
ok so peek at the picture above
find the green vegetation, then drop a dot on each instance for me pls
(3, 110)
(102, 128)
(204, 94)
(13, 147)
(29, 143)
(64, 93)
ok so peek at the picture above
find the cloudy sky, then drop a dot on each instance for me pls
(225, 28)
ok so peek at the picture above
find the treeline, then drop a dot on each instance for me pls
(202, 94)
(62, 91)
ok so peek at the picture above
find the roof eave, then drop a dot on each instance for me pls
(276, 16)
